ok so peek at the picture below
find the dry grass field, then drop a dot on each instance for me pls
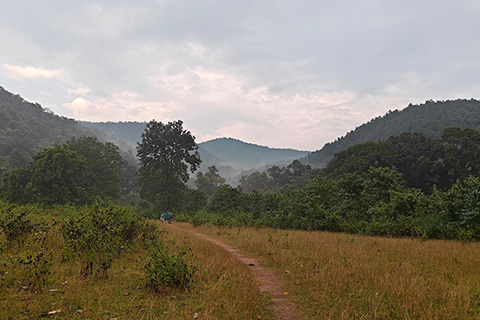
(340, 276)
(327, 275)
(223, 287)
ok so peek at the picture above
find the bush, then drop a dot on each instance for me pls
(98, 235)
(14, 221)
(164, 271)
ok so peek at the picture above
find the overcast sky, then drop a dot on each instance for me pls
(287, 74)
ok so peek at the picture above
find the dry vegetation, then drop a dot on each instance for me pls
(329, 276)
(340, 276)
(223, 287)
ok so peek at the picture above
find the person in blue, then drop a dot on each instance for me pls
(170, 216)
(164, 217)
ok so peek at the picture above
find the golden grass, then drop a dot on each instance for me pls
(339, 276)
(223, 288)
(330, 276)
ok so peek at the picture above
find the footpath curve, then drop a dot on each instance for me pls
(282, 306)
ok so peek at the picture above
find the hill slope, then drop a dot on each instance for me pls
(429, 118)
(29, 127)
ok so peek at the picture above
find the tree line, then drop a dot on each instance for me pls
(407, 185)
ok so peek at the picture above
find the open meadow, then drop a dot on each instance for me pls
(76, 266)
(342, 276)
(40, 278)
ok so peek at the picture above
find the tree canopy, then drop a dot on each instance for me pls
(78, 171)
(166, 153)
(424, 162)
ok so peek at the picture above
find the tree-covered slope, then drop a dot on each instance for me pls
(28, 127)
(429, 118)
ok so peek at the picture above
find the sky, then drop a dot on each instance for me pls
(284, 74)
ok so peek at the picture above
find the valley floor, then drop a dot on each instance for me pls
(342, 276)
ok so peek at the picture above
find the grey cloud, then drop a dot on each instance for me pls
(374, 51)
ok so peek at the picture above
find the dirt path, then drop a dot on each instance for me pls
(282, 306)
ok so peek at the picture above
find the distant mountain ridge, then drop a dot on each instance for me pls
(29, 127)
(242, 155)
(429, 118)
(229, 155)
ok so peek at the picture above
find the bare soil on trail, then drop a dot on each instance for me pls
(282, 306)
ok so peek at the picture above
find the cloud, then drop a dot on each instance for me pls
(275, 72)
(80, 90)
(18, 72)
(124, 106)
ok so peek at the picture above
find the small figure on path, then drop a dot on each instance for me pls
(170, 216)
(164, 217)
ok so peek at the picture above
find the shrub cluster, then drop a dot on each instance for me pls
(98, 235)
(374, 203)
(164, 270)
(94, 236)
(14, 221)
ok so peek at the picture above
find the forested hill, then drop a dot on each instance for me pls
(429, 118)
(242, 155)
(27, 127)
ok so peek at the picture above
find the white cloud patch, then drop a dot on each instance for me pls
(80, 90)
(29, 72)
(125, 106)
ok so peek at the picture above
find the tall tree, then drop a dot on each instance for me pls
(166, 154)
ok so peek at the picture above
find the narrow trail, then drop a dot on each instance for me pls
(282, 306)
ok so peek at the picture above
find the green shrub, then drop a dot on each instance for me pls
(37, 265)
(14, 221)
(98, 235)
(164, 270)
(35, 262)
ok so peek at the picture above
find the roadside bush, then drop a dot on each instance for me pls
(164, 270)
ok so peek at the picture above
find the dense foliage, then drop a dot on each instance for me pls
(375, 202)
(209, 181)
(79, 171)
(429, 118)
(277, 177)
(424, 162)
(98, 235)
